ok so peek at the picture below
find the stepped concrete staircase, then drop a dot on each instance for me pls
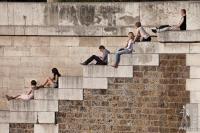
(41, 111)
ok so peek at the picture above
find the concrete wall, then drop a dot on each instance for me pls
(93, 19)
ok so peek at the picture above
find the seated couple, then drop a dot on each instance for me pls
(141, 35)
(51, 82)
(180, 26)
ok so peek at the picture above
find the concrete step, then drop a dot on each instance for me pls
(4, 128)
(179, 36)
(45, 128)
(27, 117)
(34, 105)
(192, 59)
(95, 83)
(58, 94)
(107, 71)
(195, 97)
(193, 85)
(136, 59)
(195, 72)
(194, 114)
(71, 82)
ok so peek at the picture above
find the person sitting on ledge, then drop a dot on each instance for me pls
(126, 50)
(27, 96)
(180, 26)
(100, 60)
(52, 82)
(141, 34)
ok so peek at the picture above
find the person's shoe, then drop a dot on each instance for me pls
(154, 30)
(115, 66)
(83, 63)
(9, 98)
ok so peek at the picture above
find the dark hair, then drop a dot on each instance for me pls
(101, 47)
(55, 72)
(132, 35)
(33, 82)
(138, 24)
(183, 10)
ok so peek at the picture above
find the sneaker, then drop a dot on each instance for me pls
(154, 30)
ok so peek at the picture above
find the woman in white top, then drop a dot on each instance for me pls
(141, 33)
(27, 96)
(126, 50)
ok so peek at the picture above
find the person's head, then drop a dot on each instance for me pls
(55, 72)
(101, 48)
(131, 35)
(33, 83)
(183, 12)
(138, 24)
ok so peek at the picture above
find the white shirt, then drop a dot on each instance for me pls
(142, 32)
(130, 45)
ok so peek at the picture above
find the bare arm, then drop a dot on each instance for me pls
(180, 23)
(29, 92)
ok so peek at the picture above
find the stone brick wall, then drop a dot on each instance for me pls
(21, 128)
(148, 103)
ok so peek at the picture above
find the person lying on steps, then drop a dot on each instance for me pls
(126, 50)
(100, 60)
(180, 26)
(28, 96)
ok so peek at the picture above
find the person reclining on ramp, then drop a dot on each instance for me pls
(180, 26)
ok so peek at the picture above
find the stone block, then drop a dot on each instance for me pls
(46, 117)
(95, 83)
(107, 71)
(59, 94)
(34, 105)
(192, 84)
(179, 36)
(192, 59)
(16, 51)
(9, 61)
(195, 97)
(64, 41)
(192, 15)
(4, 128)
(71, 82)
(136, 59)
(194, 72)
(195, 48)
(45, 128)
(5, 41)
(27, 117)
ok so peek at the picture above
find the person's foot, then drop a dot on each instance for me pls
(115, 66)
(41, 86)
(154, 30)
(83, 63)
(9, 98)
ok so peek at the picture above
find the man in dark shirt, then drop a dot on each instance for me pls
(180, 26)
(100, 60)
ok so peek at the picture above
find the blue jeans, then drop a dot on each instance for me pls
(119, 53)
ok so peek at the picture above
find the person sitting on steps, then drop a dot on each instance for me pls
(100, 60)
(141, 34)
(180, 26)
(27, 96)
(126, 50)
(52, 81)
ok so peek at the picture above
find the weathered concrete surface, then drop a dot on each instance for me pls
(107, 71)
(27, 117)
(4, 128)
(195, 72)
(192, 84)
(192, 60)
(136, 59)
(179, 36)
(71, 82)
(95, 83)
(45, 128)
(59, 94)
(34, 105)
(93, 19)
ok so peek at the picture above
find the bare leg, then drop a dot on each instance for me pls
(11, 97)
(47, 82)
